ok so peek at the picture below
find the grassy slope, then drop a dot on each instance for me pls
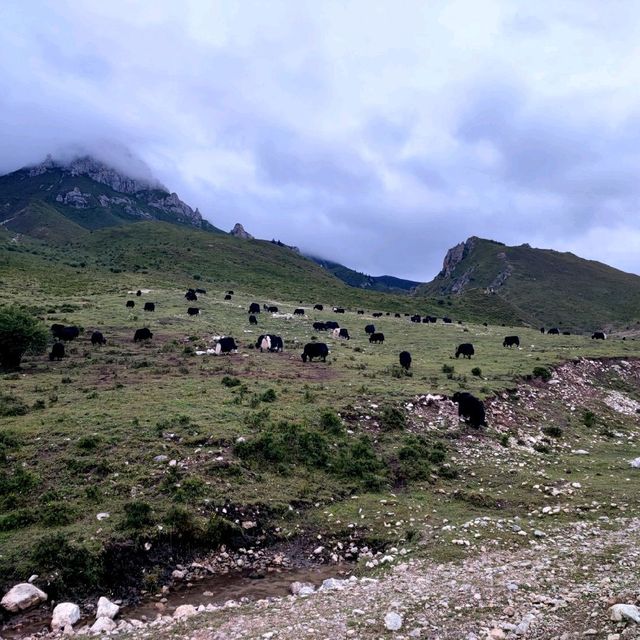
(552, 288)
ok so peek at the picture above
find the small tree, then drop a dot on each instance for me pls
(19, 332)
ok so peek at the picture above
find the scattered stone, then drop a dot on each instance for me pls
(107, 609)
(103, 625)
(185, 611)
(624, 612)
(65, 614)
(393, 621)
(22, 596)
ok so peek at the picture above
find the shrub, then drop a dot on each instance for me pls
(392, 418)
(359, 461)
(448, 369)
(541, 448)
(12, 406)
(228, 381)
(137, 515)
(16, 520)
(552, 431)
(542, 372)
(89, 443)
(504, 440)
(330, 421)
(477, 372)
(19, 333)
(589, 419)
(182, 522)
(268, 396)
(56, 514)
(221, 531)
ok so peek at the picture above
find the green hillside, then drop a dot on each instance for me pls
(542, 286)
(363, 281)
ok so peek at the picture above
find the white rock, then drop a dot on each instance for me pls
(33, 578)
(22, 596)
(624, 612)
(301, 588)
(103, 625)
(393, 621)
(103, 515)
(106, 609)
(185, 611)
(65, 614)
(332, 583)
(635, 463)
(176, 574)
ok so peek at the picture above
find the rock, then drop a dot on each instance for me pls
(103, 625)
(624, 612)
(523, 627)
(332, 583)
(33, 578)
(65, 614)
(178, 575)
(185, 611)
(393, 621)
(103, 515)
(161, 458)
(23, 596)
(496, 634)
(239, 232)
(297, 588)
(635, 463)
(106, 609)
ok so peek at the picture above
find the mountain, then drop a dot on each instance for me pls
(54, 200)
(363, 281)
(542, 286)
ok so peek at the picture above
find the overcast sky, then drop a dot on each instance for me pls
(374, 133)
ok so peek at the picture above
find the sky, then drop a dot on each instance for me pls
(375, 133)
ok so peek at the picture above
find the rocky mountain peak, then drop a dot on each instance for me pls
(239, 232)
(455, 256)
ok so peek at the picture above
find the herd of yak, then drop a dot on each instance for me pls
(470, 408)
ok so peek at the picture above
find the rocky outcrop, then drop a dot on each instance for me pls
(23, 596)
(455, 256)
(239, 232)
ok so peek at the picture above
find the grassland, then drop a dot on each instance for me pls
(79, 437)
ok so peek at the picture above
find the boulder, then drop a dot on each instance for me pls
(301, 588)
(624, 612)
(185, 611)
(22, 596)
(66, 614)
(393, 621)
(103, 625)
(106, 609)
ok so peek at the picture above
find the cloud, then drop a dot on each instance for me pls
(374, 134)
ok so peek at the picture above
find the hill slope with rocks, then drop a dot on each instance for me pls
(544, 287)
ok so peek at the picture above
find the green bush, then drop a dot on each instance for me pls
(57, 514)
(542, 372)
(477, 372)
(330, 422)
(16, 520)
(137, 515)
(449, 369)
(359, 461)
(392, 418)
(228, 381)
(589, 419)
(182, 522)
(19, 333)
(268, 396)
(552, 431)
(89, 443)
(12, 406)
(221, 531)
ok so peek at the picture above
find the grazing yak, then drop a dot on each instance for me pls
(331, 324)
(405, 360)
(226, 345)
(149, 306)
(142, 334)
(511, 341)
(470, 409)
(340, 333)
(98, 338)
(447, 320)
(360, 312)
(193, 311)
(230, 292)
(319, 326)
(338, 310)
(566, 333)
(191, 295)
(370, 328)
(202, 291)
(57, 351)
(253, 320)
(416, 318)
(270, 343)
(376, 338)
(599, 335)
(377, 314)
(254, 307)
(541, 329)
(272, 309)
(315, 350)
(318, 307)
(60, 332)
(465, 350)
(130, 304)
(138, 293)
(298, 312)
(553, 332)
(227, 296)
(396, 315)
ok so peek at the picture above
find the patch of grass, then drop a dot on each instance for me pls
(542, 372)
(12, 406)
(392, 419)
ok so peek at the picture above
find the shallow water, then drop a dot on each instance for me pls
(232, 586)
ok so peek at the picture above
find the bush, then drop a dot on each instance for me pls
(589, 419)
(449, 369)
(137, 515)
(359, 461)
(330, 421)
(19, 333)
(477, 372)
(89, 443)
(268, 396)
(56, 514)
(392, 418)
(552, 431)
(416, 457)
(221, 531)
(182, 523)
(12, 406)
(542, 372)
(504, 440)
(228, 381)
